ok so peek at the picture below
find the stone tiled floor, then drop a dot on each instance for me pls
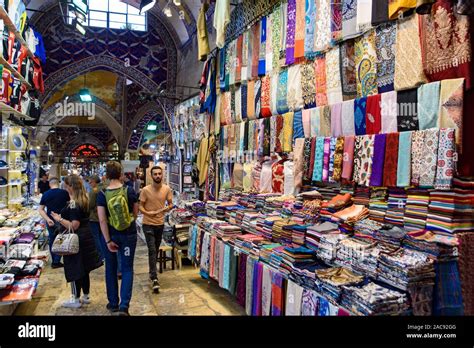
(183, 292)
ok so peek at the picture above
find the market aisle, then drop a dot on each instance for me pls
(183, 292)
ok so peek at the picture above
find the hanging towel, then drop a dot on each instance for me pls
(322, 40)
(364, 15)
(451, 108)
(288, 132)
(282, 103)
(310, 24)
(265, 110)
(295, 93)
(298, 131)
(320, 72)
(318, 159)
(388, 112)
(338, 159)
(348, 157)
(332, 154)
(289, 181)
(385, 36)
(366, 68)
(445, 168)
(366, 157)
(315, 122)
(290, 32)
(306, 116)
(428, 105)
(429, 158)
(349, 19)
(327, 150)
(360, 106)
(325, 121)
(299, 159)
(308, 85)
(391, 160)
(348, 70)
(333, 76)
(348, 123)
(379, 12)
(263, 47)
(309, 303)
(407, 102)
(274, 93)
(294, 293)
(336, 21)
(404, 160)
(336, 120)
(376, 178)
(266, 291)
(373, 120)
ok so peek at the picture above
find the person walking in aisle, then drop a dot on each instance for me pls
(75, 216)
(117, 208)
(44, 185)
(54, 200)
(153, 199)
(94, 217)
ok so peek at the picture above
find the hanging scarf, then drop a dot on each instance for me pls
(306, 118)
(246, 135)
(349, 19)
(261, 136)
(266, 291)
(282, 103)
(391, 160)
(228, 66)
(251, 100)
(338, 158)
(237, 139)
(238, 104)
(227, 107)
(295, 92)
(294, 294)
(309, 303)
(250, 54)
(276, 36)
(278, 177)
(298, 131)
(332, 153)
(379, 12)
(445, 169)
(232, 106)
(288, 132)
(364, 15)
(310, 18)
(365, 60)
(333, 76)
(325, 118)
(245, 55)
(289, 181)
(373, 120)
(243, 100)
(298, 156)
(445, 44)
(308, 85)
(429, 158)
(318, 159)
(258, 96)
(255, 48)
(263, 47)
(222, 69)
(268, 46)
(407, 110)
(284, 28)
(279, 132)
(348, 157)
(315, 122)
(360, 106)
(376, 178)
(367, 159)
(358, 152)
(348, 123)
(348, 70)
(238, 176)
(241, 279)
(256, 173)
(309, 153)
(250, 144)
(266, 137)
(388, 112)
(322, 40)
(385, 47)
(417, 146)
(320, 71)
(299, 29)
(306, 157)
(274, 93)
(408, 65)
(336, 120)
(451, 107)
(327, 152)
(404, 159)
(232, 52)
(277, 294)
(395, 7)
(273, 134)
(249, 285)
(290, 32)
(428, 105)
(336, 21)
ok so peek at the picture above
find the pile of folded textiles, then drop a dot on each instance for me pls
(331, 281)
(311, 208)
(197, 207)
(378, 204)
(298, 232)
(266, 251)
(235, 215)
(248, 201)
(390, 234)
(351, 214)
(310, 195)
(366, 228)
(328, 191)
(230, 194)
(248, 243)
(328, 244)
(281, 231)
(217, 209)
(249, 222)
(227, 230)
(304, 274)
(362, 195)
(208, 223)
(182, 216)
(265, 225)
(397, 198)
(351, 252)
(416, 209)
(405, 267)
(373, 299)
(442, 247)
(291, 257)
(261, 198)
(314, 233)
(337, 203)
(277, 203)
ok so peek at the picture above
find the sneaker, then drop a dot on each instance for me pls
(123, 313)
(155, 285)
(85, 299)
(56, 265)
(72, 303)
(111, 308)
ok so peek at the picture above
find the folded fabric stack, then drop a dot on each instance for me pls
(352, 251)
(197, 207)
(248, 243)
(314, 233)
(334, 205)
(397, 198)
(266, 251)
(248, 201)
(366, 228)
(329, 191)
(235, 215)
(298, 233)
(265, 225)
(261, 198)
(351, 214)
(416, 209)
(208, 223)
(451, 211)
(230, 194)
(328, 244)
(332, 280)
(404, 268)
(311, 209)
(182, 216)
(291, 257)
(281, 231)
(217, 209)
(362, 195)
(373, 299)
(273, 204)
(249, 222)
(227, 230)
(378, 204)
(304, 274)
(310, 195)
(389, 234)
(442, 247)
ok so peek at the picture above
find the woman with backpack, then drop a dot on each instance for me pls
(117, 208)
(75, 217)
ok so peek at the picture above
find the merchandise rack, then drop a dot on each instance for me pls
(8, 22)
(14, 72)
(7, 109)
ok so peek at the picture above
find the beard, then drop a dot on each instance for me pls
(157, 180)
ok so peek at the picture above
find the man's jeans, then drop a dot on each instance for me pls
(55, 259)
(97, 234)
(153, 235)
(126, 253)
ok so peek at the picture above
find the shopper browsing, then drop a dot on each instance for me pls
(54, 200)
(153, 199)
(117, 209)
(44, 185)
(93, 217)
(77, 267)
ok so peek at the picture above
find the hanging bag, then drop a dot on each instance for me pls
(66, 243)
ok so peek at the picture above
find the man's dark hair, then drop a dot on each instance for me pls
(113, 170)
(154, 168)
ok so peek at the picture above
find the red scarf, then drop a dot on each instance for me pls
(373, 119)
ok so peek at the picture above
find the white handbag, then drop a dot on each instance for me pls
(66, 243)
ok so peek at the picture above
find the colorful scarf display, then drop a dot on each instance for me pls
(348, 124)
(360, 106)
(282, 104)
(325, 124)
(299, 161)
(336, 120)
(315, 122)
(358, 152)
(309, 172)
(385, 36)
(332, 152)
(300, 29)
(336, 21)
(322, 40)
(320, 71)
(327, 151)
(428, 105)
(251, 100)
(391, 160)
(295, 92)
(333, 76)
(388, 112)
(310, 18)
(298, 131)
(308, 85)
(348, 157)
(290, 32)
(348, 70)
(306, 159)
(376, 178)
(265, 110)
(364, 15)
(338, 159)
(407, 110)
(365, 61)
(445, 168)
(451, 103)
(288, 132)
(276, 36)
(318, 159)
(404, 159)
(446, 43)
(373, 118)
(349, 19)
(263, 47)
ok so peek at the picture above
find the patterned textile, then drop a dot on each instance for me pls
(366, 68)
(243, 101)
(360, 106)
(407, 110)
(266, 177)
(256, 173)
(395, 7)
(348, 157)
(310, 17)
(265, 110)
(408, 72)
(204, 263)
(251, 100)
(278, 177)
(325, 121)
(284, 28)
(241, 280)
(249, 285)
(320, 72)
(373, 120)
(238, 104)
(318, 159)
(274, 93)
(221, 64)
(247, 181)
(276, 36)
(258, 97)
(251, 137)
(348, 70)
(336, 120)
(333, 76)
(404, 159)
(287, 145)
(299, 161)
(306, 116)
(446, 44)
(232, 52)
(263, 47)
(279, 133)
(261, 137)
(445, 168)
(308, 85)
(295, 92)
(358, 152)
(309, 303)
(227, 113)
(277, 294)
(266, 290)
(273, 134)
(376, 178)
(366, 158)
(268, 47)
(245, 55)
(391, 160)
(315, 117)
(290, 32)
(255, 48)
(238, 67)
(312, 159)
(332, 153)
(447, 295)
(307, 159)
(233, 112)
(266, 137)
(379, 12)
(338, 158)
(429, 157)
(428, 105)
(322, 40)
(364, 15)
(257, 289)
(385, 37)
(349, 19)
(282, 103)
(336, 21)
(300, 29)
(294, 295)
(348, 124)
(417, 146)
(327, 152)
(238, 176)
(298, 131)
(388, 112)
(451, 107)
(289, 181)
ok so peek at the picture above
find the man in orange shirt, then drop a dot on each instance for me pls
(153, 199)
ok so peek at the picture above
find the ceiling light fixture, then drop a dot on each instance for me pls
(52, 130)
(177, 2)
(84, 93)
(151, 127)
(167, 10)
(146, 5)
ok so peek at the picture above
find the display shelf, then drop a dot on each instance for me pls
(4, 108)
(14, 72)
(8, 22)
